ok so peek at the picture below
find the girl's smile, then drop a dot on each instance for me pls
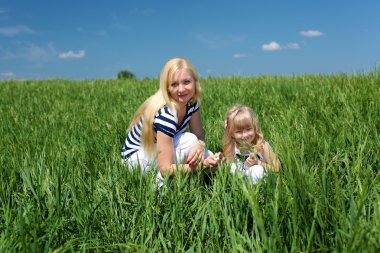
(245, 135)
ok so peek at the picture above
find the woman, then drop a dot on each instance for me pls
(157, 134)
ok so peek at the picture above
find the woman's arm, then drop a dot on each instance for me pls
(197, 153)
(196, 127)
(165, 156)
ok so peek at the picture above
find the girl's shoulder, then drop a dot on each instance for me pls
(265, 144)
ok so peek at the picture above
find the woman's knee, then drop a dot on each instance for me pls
(183, 144)
(185, 141)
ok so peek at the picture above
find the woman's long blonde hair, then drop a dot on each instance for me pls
(240, 117)
(150, 107)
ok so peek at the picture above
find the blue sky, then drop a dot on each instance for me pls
(86, 39)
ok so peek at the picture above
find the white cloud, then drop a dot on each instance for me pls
(71, 54)
(97, 32)
(7, 74)
(3, 14)
(142, 11)
(30, 52)
(219, 41)
(36, 53)
(6, 54)
(291, 46)
(238, 56)
(15, 30)
(272, 46)
(311, 33)
(120, 27)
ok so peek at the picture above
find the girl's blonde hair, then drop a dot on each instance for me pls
(150, 107)
(240, 117)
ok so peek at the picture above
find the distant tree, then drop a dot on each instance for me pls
(125, 74)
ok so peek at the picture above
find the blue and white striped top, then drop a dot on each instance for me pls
(164, 121)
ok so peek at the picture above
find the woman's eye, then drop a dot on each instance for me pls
(187, 81)
(174, 84)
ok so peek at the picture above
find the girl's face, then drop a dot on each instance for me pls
(182, 88)
(244, 135)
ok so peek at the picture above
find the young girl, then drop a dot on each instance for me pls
(244, 145)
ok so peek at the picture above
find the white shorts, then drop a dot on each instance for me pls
(182, 146)
(254, 173)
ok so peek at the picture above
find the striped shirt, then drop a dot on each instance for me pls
(164, 121)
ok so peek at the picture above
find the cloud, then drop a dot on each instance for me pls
(30, 52)
(97, 32)
(3, 14)
(238, 56)
(219, 41)
(6, 54)
(71, 54)
(291, 46)
(15, 30)
(274, 46)
(36, 53)
(142, 11)
(116, 25)
(7, 74)
(120, 27)
(311, 33)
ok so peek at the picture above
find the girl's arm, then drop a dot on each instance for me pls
(271, 161)
(165, 156)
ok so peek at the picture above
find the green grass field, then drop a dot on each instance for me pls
(63, 189)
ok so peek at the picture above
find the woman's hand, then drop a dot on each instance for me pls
(197, 154)
(212, 161)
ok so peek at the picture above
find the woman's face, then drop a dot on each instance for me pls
(182, 88)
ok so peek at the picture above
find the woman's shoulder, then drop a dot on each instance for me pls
(165, 110)
(193, 107)
(165, 113)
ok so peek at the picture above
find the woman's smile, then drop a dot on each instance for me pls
(182, 89)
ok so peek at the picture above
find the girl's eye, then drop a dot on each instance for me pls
(186, 81)
(174, 84)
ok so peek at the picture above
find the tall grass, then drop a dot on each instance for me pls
(63, 188)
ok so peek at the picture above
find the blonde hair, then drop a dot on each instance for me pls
(240, 117)
(150, 107)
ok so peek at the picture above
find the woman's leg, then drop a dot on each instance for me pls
(142, 161)
(139, 160)
(182, 145)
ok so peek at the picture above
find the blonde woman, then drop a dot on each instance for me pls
(157, 134)
(244, 145)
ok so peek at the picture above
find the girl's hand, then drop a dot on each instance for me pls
(251, 160)
(196, 154)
